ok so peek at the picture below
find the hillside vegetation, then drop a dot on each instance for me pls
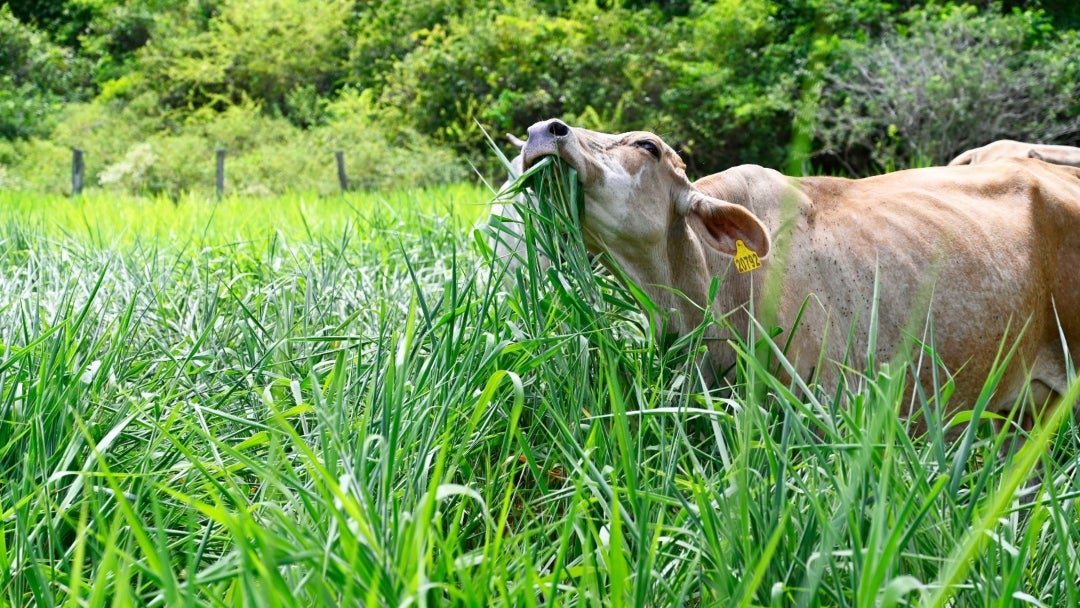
(149, 89)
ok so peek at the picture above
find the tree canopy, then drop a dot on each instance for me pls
(411, 89)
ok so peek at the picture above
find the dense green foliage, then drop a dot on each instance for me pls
(339, 402)
(1012, 66)
(150, 88)
(38, 76)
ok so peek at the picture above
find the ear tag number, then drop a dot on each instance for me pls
(745, 259)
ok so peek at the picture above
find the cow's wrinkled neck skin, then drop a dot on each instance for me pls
(677, 273)
(692, 266)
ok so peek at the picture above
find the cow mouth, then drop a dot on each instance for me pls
(545, 139)
(528, 162)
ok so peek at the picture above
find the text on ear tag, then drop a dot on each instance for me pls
(745, 259)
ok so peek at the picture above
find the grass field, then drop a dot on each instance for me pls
(340, 402)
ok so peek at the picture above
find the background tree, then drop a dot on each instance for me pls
(279, 54)
(945, 83)
(862, 85)
(38, 78)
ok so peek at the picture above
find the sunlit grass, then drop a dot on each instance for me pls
(114, 220)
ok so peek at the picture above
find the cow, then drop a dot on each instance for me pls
(965, 259)
(1007, 148)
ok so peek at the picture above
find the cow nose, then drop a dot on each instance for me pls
(558, 128)
(549, 130)
(545, 139)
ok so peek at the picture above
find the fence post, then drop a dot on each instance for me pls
(78, 170)
(220, 173)
(342, 178)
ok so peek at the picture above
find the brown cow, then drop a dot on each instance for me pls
(1007, 148)
(990, 254)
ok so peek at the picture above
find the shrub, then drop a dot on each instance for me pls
(164, 164)
(595, 67)
(380, 151)
(106, 133)
(37, 78)
(128, 151)
(248, 50)
(36, 164)
(945, 83)
(722, 107)
(400, 84)
(721, 81)
(388, 30)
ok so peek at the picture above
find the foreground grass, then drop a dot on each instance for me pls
(338, 402)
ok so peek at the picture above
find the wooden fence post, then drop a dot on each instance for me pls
(78, 170)
(342, 178)
(220, 173)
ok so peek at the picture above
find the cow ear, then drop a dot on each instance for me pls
(720, 224)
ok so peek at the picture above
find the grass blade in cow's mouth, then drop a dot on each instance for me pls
(557, 204)
(558, 285)
(546, 239)
(550, 200)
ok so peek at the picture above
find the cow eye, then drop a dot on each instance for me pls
(649, 147)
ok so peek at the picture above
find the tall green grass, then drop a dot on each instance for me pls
(344, 402)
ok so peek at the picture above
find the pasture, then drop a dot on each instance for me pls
(340, 402)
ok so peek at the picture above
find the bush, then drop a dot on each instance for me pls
(105, 131)
(131, 152)
(722, 83)
(380, 152)
(35, 164)
(388, 30)
(594, 67)
(400, 85)
(162, 165)
(38, 77)
(720, 108)
(248, 50)
(945, 83)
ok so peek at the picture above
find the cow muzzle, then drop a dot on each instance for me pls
(545, 138)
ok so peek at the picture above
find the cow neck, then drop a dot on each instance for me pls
(677, 277)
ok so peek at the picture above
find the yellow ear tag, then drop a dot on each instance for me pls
(745, 259)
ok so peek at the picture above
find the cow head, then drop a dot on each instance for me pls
(636, 190)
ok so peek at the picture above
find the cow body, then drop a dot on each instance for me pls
(982, 256)
(980, 252)
(1007, 148)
